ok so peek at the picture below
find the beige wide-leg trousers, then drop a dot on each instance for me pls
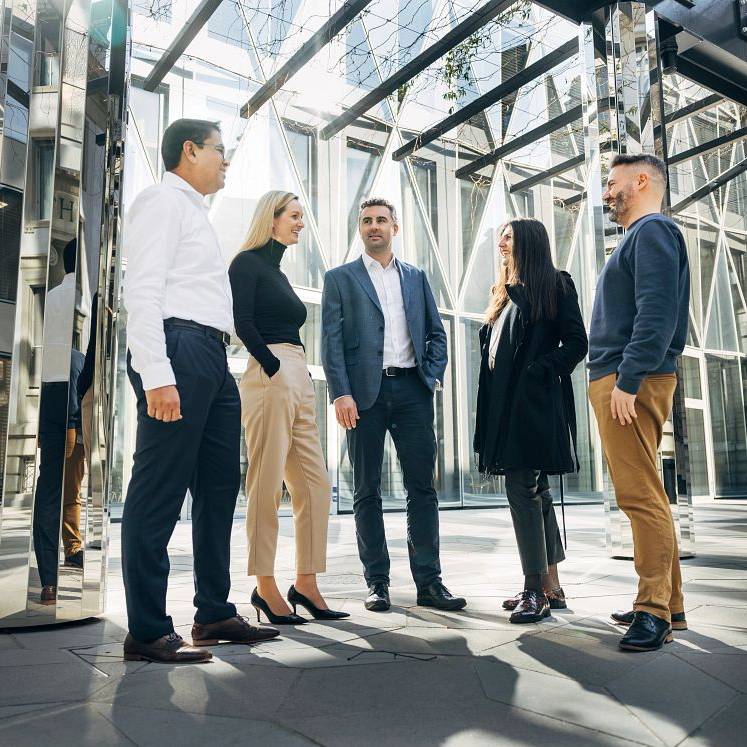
(282, 444)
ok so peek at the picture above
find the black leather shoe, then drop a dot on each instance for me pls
(259, 604)
(170, 648)
(438, 596)
(235, 629)
(556, 597)
(378, 598)
(533, 607)
(295, 597)
(625, 618)
(646, 633)
(75, 560)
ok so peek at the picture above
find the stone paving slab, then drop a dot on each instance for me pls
(412, 676)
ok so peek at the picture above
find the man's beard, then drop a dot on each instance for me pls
(618, 208)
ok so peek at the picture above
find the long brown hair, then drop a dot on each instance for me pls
(532, 266)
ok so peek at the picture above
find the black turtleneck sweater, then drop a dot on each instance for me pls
(266, 309)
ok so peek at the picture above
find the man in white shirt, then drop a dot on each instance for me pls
(179, 308)
(384, 354)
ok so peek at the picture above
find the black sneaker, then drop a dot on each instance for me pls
(75, 560)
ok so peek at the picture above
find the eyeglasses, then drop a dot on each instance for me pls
(219, 148)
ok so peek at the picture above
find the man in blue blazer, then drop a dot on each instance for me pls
(384, 354)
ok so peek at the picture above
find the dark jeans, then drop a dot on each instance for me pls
(535, 525)
(199, 452)
(404, 407)
(48, 496)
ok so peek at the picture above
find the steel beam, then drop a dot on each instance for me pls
(543, 176)
(426, 58)
(513, 84)
(517, 143)
(182, 40)
(336, 23)
(696, 107)
(710, 186)
(709, 147)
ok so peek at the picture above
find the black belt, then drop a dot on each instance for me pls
(394, 371)
(224, 337)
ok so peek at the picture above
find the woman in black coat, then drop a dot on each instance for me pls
(532, 340)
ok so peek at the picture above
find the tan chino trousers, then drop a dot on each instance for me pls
(631, 452)
(282, 444)
(72, 500)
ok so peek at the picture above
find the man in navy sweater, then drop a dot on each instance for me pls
(638, 328)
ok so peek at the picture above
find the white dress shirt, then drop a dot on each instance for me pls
(59, 306)
(174, 269)
(398, 348)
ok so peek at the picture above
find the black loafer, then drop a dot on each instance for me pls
(646, 633)
(378, 598)
(533, 607)
(626, 618)
(438, 596)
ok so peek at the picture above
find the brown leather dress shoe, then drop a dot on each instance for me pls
(556, 597)
(233, 630)
(48, 595)
(169, 648)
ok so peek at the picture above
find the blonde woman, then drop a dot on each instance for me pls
(278, 414)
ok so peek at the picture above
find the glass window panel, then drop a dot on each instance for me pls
(417, 247)
(311, 334)
(722, 330)
(362, 162)
(690, 368)
(43, 161)
(360, 68)
(425, 178)
(446, 426)
(707, 244)
(727, 425)
(10, 240)
(159, 10)
(696, 442)
(583, 483)
(227, 24)
(473, 197)
(303, 148)
(479, 490)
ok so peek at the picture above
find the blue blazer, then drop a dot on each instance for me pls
(353, 331)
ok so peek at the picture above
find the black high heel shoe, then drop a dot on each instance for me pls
(295, 597)
(259, 604)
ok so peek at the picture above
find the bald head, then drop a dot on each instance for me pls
(635, 187)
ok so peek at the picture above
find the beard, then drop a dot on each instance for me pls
(619, 207)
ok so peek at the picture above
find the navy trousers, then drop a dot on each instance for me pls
(404, 408)
(199, 452)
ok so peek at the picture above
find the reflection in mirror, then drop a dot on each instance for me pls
(59, 269)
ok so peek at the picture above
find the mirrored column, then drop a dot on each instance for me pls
(54, 518)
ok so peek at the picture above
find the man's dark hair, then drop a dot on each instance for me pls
(69, 254)
(378, 202)
(646, 158)
(178, 132)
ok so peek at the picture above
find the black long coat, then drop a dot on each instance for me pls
(525, 409)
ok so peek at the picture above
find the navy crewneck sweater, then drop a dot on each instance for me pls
(639, 321)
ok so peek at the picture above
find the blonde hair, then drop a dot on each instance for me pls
(269, 207)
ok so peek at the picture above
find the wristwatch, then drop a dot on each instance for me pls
(439, 386)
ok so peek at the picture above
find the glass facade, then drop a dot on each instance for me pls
(449, 225)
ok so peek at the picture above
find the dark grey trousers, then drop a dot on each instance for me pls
(535, 525)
